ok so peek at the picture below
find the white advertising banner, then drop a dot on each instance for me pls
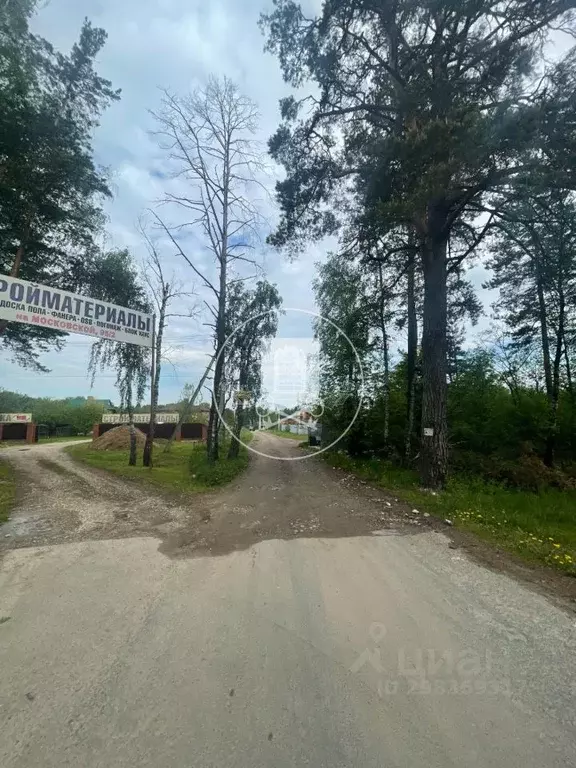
(15, 418)
(140, 418)
(33, 304)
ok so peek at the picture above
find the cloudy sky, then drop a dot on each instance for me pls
(174, 44)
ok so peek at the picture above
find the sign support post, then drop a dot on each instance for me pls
(148, 448)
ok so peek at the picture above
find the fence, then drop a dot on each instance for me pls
(26, 432)
(161, 431)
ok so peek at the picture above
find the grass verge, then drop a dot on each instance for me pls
(539, 527)
(7, 490)
(183, 470)
(290, 435)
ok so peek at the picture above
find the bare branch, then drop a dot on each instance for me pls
(209, 140)
(205, 280)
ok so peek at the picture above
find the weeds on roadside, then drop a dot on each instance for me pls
(539, 527)
(7, 490)
(184, 469)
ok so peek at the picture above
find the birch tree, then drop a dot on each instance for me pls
(114, 278)
(252, 322)
(534, 268)
(164, 288)
(208, 137)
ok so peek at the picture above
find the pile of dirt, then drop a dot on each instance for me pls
(117, 439)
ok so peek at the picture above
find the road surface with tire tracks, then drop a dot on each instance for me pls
(294, 618)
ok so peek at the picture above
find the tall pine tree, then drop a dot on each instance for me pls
(420, 110)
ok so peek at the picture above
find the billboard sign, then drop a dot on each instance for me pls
(34, 304)
(15, 418)
(140, 418)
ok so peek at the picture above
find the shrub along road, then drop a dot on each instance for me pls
(297, 617)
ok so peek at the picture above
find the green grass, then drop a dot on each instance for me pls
(539, 527)
(183, 470)
(281, 433)
(7, 490)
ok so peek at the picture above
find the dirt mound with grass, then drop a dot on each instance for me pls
(118, 439)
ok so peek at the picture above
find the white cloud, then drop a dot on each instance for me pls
(140, 182)
(183, 355)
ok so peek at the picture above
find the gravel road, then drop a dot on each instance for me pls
(60, 500)
(295, 618)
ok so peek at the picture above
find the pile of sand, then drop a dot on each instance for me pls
(118, 439)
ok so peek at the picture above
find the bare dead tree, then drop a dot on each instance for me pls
(163, 289)
(209, 139)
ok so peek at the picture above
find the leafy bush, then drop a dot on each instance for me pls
(54, 413)
(495, 434)
(528, 471)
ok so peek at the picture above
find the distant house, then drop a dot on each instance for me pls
(298, 423)
(302, 417)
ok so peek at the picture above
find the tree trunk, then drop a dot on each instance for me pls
(434, 436)
(211, 437)
(213, 424)
(544, 336)
(555, 393)
(385, 356)
(216, 412)
(17, 260)
(147, 456)
(547, 363)
(411, 356)
(234, 449)
(133, 456)
(221, 425)
(568, 369)
(14, 273)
